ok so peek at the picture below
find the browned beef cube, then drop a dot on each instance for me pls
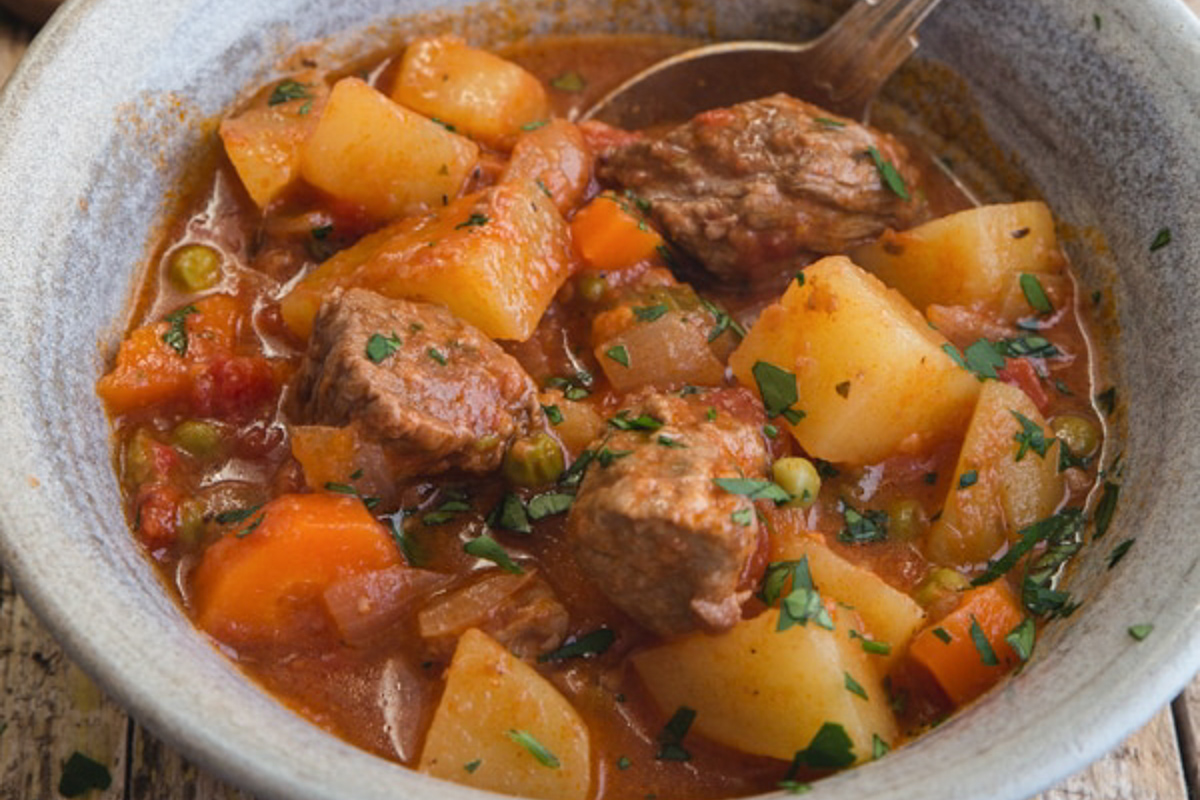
(766, 185)
(649, 525)
(432, 390)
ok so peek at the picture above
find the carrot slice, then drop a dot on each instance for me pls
(958, 650)
(610, 235)
(263, 584)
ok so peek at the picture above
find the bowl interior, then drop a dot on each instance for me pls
(1101, 118)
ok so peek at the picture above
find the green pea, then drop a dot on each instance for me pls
(906, 520)
(592, 286)
(799, 478)
(1078, 434)
(940, 582)
(191, 521)
(195, 267)
(533, 461)
(201, 439)
(139, 458)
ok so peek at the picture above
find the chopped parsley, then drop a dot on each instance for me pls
(743, 516)
(778, 390)
(667, 441)
(986, 654)
(585, 646)
(473, 221)
(176, 336)
(623, 763)
(1119, 552)
(826, 122)
(722, 321)
(549, 504)
(236, 515)
(800, 604)
(1161, 239)
(671, 738)
(1035, 295)
(533, 126)
(574, 473)
(81, 774)
(943, 635)
(570, 81)
(754, 489)
(471, 766)
(830, 748)
(288, 90)
(1140, 632)
(553, 414)
(406, 545)
(879, 748)
(968, 479)
(379, 347)
(619, 354)
(770, 431)
(1021, 638)
(863, 527)
(891, 176)
(1030, 437)
(436, 355)
(1060, 527)
(875, 648)
(853, 686)
(606, 457)
(535, 748)
(249, 529)
(489, 549)
(1105, 508)
(510, 515)
(642, 422)
(650, 313)
(794, 787)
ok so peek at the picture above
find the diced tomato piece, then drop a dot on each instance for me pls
(157, 522)
(1020, 373)
(233, 387)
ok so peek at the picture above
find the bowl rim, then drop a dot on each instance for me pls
(1161, 670)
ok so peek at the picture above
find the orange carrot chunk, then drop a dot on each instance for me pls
(966, 651)
(610, 235)
(263, 584)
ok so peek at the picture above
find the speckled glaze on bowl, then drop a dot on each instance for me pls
(1105, 117)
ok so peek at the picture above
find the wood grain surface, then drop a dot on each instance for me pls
(49, 709)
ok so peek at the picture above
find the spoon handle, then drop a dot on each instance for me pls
(864, 47)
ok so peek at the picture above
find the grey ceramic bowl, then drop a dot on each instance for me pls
(1105, 116)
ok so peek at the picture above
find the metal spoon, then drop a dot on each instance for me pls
(840, 71)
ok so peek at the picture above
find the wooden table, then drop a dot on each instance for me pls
(50, 709)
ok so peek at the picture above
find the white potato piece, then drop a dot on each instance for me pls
(971, 258)
(1006, 494)
(888, 614)
(495, 258)
(265, 140)
(372, 152)
(872, 376)
(481, 94)
(768, 692)
(489, 695)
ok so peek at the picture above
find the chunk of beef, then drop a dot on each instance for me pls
(519, 611)
(765, 185)
(652, 529)
(432, 390)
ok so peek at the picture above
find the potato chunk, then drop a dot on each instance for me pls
(480, 94)
(376, 154)
(972, 258)
(494, 713)
(889, 614)
(265, 141)
(494, 258)
(871, 375)
(994, 494)
(768, 692)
